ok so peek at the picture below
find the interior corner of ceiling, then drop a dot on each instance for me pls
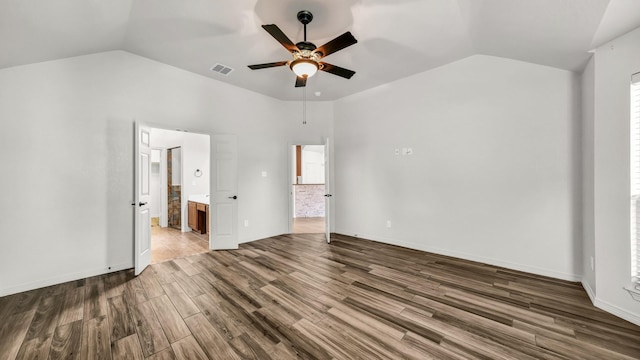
(600, 37)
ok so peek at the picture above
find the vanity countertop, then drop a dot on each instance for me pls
(200, 198)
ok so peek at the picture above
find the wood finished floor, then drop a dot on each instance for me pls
(295, 296)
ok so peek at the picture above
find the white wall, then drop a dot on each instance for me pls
(155, 187)
(66, 213)
(588, 113)
(176, 166)
(614, 64)
(312, 159)
(495, 172)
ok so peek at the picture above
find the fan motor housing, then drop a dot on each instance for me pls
(305, 45)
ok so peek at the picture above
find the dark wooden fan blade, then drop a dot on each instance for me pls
(301, 81)
(275, 31)
(337, 70)
(337, 44)
(267, 65)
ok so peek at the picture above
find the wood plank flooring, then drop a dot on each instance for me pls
(295, 296)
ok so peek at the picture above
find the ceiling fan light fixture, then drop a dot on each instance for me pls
(306, 55)
(304, 67)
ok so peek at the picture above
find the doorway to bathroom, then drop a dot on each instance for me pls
(308, 189)
(179, 172)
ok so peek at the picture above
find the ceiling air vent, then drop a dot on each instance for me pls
(223, 70)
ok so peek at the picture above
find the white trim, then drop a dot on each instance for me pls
(56, 280)
(471, 257)
(634, 170)
(589, 290)
(619, 312)
(612, 309)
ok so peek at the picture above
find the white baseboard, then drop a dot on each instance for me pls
(614, 310)
(261, 237)
(472, 257)
(608, 307)
(589, 290)
(62, 279)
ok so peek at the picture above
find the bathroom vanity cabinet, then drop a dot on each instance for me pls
(198, 217)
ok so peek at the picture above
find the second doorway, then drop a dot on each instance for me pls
(308, 189)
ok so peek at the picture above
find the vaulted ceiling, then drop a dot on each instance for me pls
(396, 38)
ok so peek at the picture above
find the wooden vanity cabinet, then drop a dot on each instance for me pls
(193, 215)
(198, 217)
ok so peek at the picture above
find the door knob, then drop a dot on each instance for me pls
(142, 203)
(233, 197)
(328, 195)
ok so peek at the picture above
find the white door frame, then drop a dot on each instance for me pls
(163, 185)
(327, 190)
(164, 196)
(289, 185)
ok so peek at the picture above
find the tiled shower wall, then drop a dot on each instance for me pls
(175, 197)
(174, 206)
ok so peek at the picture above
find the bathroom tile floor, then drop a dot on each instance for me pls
(168, 243)
(308, 225)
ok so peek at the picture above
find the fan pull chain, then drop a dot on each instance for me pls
(304, 106)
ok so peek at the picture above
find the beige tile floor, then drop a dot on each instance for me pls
(168, 243)
(309, 225)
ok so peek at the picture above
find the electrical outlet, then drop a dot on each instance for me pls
(264, 174)
(246, 223)
(388, 223)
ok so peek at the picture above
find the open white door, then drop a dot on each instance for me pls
(224, 203)
(327, 194)
(142, 217)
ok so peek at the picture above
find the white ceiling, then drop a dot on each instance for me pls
(396, 38)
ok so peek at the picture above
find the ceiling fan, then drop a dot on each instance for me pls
(306, 56)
